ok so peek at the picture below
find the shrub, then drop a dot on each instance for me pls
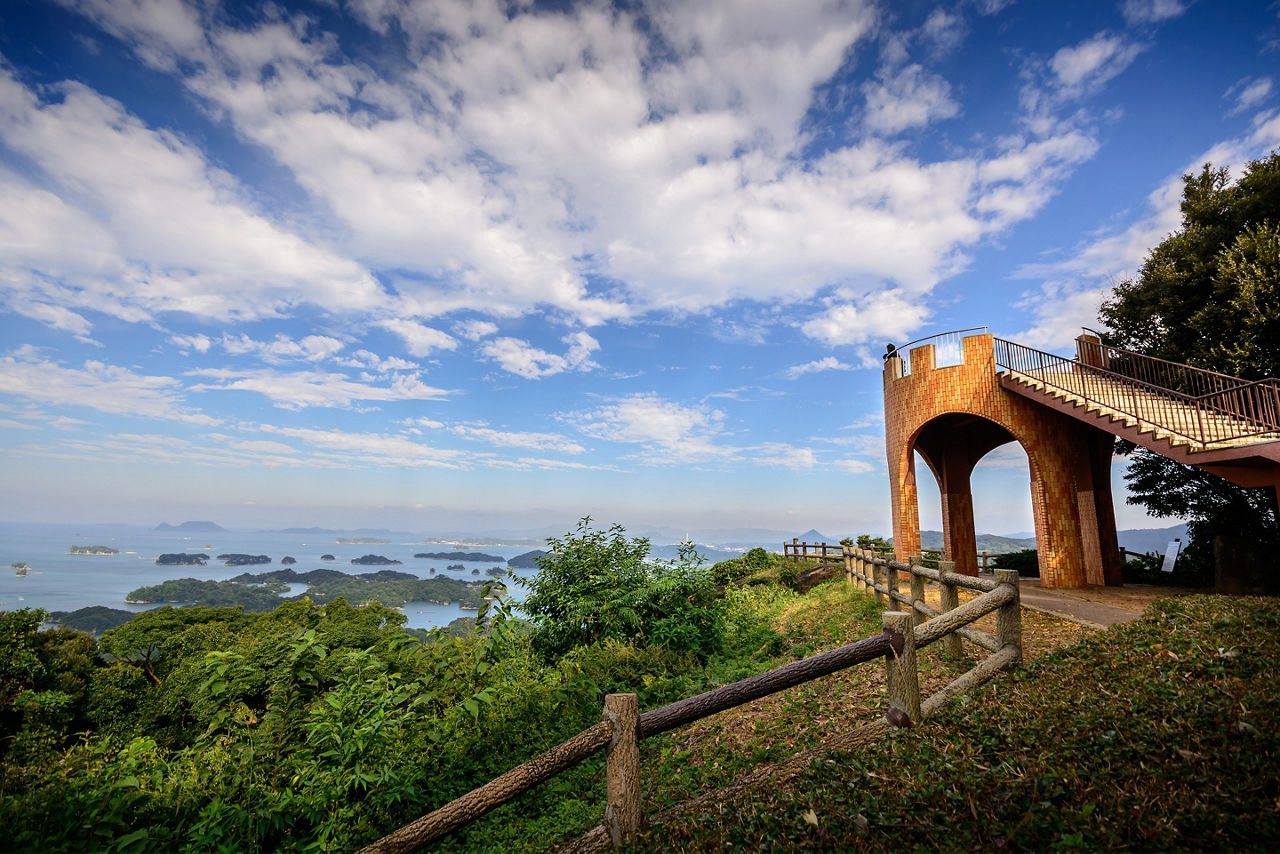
(1026, 562)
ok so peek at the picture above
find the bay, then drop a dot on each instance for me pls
(59, 581)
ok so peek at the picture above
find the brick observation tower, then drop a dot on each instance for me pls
(955, 414)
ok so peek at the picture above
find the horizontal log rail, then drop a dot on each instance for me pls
(624, 727)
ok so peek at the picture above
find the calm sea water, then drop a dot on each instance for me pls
(58, 581)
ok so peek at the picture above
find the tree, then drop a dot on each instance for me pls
(1209, 295)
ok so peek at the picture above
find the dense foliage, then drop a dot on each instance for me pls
(323, 727)
(597, 585)
(1209, 296)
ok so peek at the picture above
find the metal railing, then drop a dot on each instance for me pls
(1200, 406)
(948, 348)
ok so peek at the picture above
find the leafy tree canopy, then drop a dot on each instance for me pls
(1209, 295)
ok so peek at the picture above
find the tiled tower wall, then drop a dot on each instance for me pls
(1069, 461)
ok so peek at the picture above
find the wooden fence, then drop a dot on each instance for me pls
(796, 550)
(623, 726)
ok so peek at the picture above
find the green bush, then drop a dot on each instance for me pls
(1026, 562)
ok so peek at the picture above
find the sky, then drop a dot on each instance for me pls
(500, 265)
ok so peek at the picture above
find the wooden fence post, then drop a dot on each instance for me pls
(900, 672)
(878, 573)
(848, 564)
(949, 600)
(982, 555)
(622, 769)
(891, 581)
(917, 595)
(1009, 617)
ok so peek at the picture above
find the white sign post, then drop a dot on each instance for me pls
(1171, 555)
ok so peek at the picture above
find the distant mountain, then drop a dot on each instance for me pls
(329, 532)
(191, 527)
(814, 536)
(990, 543)
(1151, 539)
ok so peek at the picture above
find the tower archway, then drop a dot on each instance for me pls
(955, 415)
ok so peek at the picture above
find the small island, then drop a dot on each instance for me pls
(528, 560)
(374, 560)
(180, 559)
(92, 550)
(472, 556)
(243, 560)
(456, 566)
(327, 557)
(286, 560)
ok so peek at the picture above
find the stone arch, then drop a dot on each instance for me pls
(954, 416)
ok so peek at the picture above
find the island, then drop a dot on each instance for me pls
(286, 560)
(92, 550)
(203, 527)
(472, 556)
(327, 557)
(92, 619)
(456, 566)
(362, 541)
(375, 560)
(528, 560)
(179, 559)
(243, 560)
(265, 591)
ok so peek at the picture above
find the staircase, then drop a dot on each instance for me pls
(1188, 414)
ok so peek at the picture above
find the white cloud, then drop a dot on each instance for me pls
(907, 98)
(186, 343)
(524, 360)
(420, 340)
(311, 348)
(782, 455)
(301, 389)
(1248, 93)
(828, 363)
(474, 330)
(165, 230)
(1152, 11)
(1093, 62)
(887, 315)
(671, 430)
(508, 439)
(373, 448)
(106, 388)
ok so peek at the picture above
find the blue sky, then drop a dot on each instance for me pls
(483, 264)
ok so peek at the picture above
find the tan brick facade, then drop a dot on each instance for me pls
(955, 415)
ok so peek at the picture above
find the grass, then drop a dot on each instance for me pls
(1154, 735)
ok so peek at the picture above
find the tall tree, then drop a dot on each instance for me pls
(1209, 295)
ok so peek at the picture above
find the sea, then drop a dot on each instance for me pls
(60, 581)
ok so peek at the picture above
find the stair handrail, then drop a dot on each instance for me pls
(1264, 410)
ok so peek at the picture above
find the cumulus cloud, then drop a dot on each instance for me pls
(1093, 62)
(510, 439)
(420, 340)
(524, 360)
(311, 348)
(888, 315)
(672, 430)
(1248, 93)
(828, 363)
(97, 385)
(908, 98)
(1152, 11)
(301, 389)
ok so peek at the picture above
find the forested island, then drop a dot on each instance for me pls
(264, 591)
(375, 560)
(243, 560)
(93, 550)
(93, 619)
(472, 556)
(180, 559)
(528, 560)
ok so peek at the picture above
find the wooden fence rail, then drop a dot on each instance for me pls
(624, 727)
